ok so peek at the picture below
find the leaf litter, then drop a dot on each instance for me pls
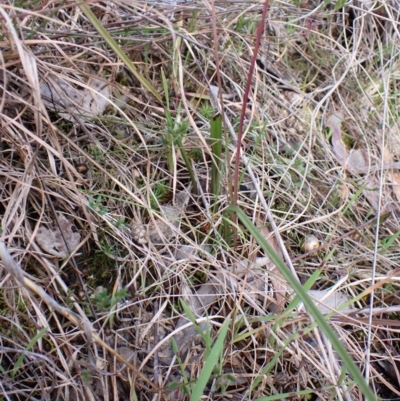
(91, 99)
(353, 161)
(61, 239)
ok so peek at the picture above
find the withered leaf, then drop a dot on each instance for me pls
(60, 95)
(328, 302)
(52, 241)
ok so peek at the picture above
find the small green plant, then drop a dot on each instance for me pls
(120, 223)
(196, 155)
(245, 25)
(96, 205)
(222, 382)
(86, 376)
(185, 386)
(104, 302)
(105, 248)
(216, 149)
(175, 132)
(96, 153)
(387, 242)
(207, 111)
(205, 334)
(210, 363)
(159, 190)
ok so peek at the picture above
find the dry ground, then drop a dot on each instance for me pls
(107, 213)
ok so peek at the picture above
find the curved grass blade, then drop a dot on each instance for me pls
(111, 42)
(309, 304)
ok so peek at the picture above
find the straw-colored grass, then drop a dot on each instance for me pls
(98, 323)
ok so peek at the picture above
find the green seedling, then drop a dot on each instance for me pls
(96, 205)
(211, 362)
(104, 302)
(176, 130)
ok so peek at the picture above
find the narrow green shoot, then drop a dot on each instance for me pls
(309, 304)
(278, 353)
(292, 394)
(216, 149)
(387, 242)
(210, 363)
(185, 378)
(167, 103)
(30, 345)
(295, 301)
(307, 286)
(113, 44)
(174, 135)
(205, 335)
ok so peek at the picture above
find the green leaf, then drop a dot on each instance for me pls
(211, 361)
(174, 345)
(389, 241)
(339, 4)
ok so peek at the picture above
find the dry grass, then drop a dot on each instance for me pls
(112, 173)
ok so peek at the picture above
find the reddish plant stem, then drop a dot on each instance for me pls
(259, 33)
(260, 30)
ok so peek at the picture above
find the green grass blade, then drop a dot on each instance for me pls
(307, 286)
(188, 164)
(30, 345)
(111, 42)
(210, 363)
(309, 304)
(203, 334)
(292, 394)
(166, 95)
(278, 353)
(295, 301)
(216, 149)
(177, 140)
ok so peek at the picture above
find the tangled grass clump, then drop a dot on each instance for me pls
(124, 274)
